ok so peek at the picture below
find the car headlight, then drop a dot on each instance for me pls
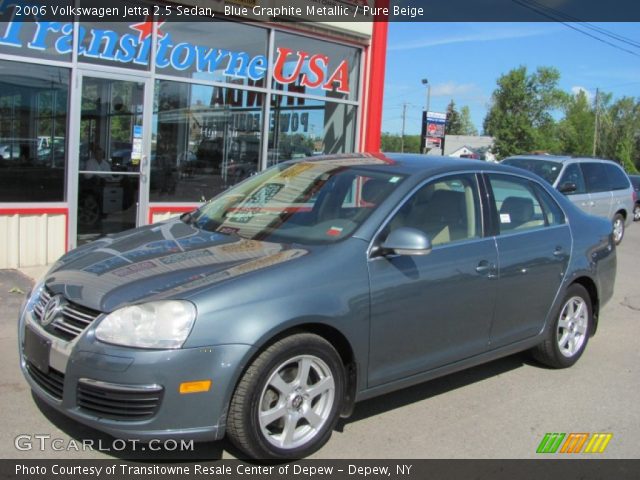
(163, 324)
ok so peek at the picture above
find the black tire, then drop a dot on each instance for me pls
(636, 212)
(282, 361)
(618, 222)
(552, 351)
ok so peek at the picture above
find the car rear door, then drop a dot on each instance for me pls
(621, 190)
(432, 310)
(534, 246)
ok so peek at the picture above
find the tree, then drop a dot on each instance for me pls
(619, 132)
(466, 125)
(459, 123)
(453, 125)
(391, 143)
(520, 117)
(576, 128)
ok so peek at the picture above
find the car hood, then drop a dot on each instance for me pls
(166, 260)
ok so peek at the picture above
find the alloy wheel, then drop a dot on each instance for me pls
(572, 326)
(296, 401)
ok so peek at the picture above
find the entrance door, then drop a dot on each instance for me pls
(112, 189)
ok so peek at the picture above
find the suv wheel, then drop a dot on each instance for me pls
(636, 212)
(287, 402)
(618, 228)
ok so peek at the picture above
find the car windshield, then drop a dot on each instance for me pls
(546, 169)
(314, 202)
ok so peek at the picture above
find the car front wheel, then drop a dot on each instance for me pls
(287, 402)
(567, 338)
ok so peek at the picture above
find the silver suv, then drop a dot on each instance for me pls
(599, 187)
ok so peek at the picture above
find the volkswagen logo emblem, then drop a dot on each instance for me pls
(51, 310)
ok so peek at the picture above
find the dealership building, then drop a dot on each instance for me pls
(105, 126)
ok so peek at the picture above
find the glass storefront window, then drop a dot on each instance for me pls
(204, 140)
(212, 50)
(300, 127)
(315, 67)
(33, 132)
(106, 204)
(111, 119)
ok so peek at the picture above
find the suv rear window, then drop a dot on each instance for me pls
(617, 178)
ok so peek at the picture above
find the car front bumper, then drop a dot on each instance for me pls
(131, 393)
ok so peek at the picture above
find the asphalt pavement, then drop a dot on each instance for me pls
(499, 410)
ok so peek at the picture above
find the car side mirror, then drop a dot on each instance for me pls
(567, 187)
(407, 241)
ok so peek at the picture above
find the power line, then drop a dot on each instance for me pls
(560, 17)
(590, 26)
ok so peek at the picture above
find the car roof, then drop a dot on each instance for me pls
(561, 158)
(407, 163)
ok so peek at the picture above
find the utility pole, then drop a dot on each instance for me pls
(404, 117)
(426, 83)
(595, 129)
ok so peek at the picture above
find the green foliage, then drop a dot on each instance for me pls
(453, 125)
(459, 122)
(576, 128)
(393, 143)
(466, 125)
(619, 132)
(520, 117)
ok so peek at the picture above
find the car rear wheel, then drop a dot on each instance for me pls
(567, 339)
(618, 228)
(287, 402)
(636, 212)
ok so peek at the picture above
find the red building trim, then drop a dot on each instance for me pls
(168, 209)
(43, 211)
(375, 91)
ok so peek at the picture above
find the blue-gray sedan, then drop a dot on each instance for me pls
(269, 311)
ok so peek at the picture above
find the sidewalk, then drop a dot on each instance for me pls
(34, 273)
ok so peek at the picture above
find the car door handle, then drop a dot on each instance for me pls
(485, 268)
(558, 252)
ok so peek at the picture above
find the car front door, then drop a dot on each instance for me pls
(534, 246)
(432, 310)
(600, 196)
(573, 174)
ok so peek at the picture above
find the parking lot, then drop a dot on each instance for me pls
(499, 410)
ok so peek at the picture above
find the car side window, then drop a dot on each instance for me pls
(595, 176)
(617, 178)
(553, 214)
(516, 203)
(573, 174)
(446, 209)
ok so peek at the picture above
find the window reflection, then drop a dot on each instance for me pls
(205, 139)
(300, 127)
(33, 131)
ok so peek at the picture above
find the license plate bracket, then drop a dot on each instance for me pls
(36, 350)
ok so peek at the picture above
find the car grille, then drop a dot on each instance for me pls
(73, 321)
(118, 402)
(51, 382)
